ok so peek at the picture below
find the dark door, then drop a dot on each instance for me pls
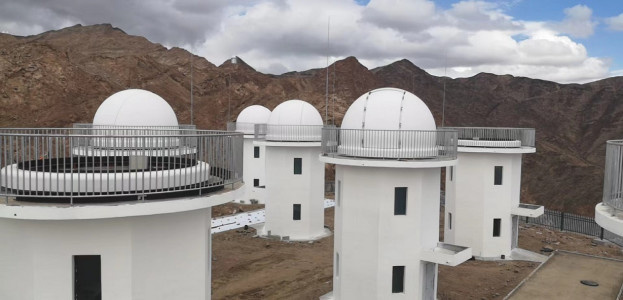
(87, 277)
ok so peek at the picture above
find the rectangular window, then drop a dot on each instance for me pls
(337, 264)
(400, 201)
(298, 165)
(451, 173)
(88, 277)
(256, 152)
(498, 176)
(296, 212)
(449, 220)
(256, 182)
(339, 192)
(398, 279)
(497, 224)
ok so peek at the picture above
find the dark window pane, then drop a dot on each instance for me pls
(256, 152)
(88, 277)
(296, 212)
(498, 175)
(256, 182)
(451, 173)
(298, 165)
(398, 279)
(450, 220)
(497, 224)
(400, 201)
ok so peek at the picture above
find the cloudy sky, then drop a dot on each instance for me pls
(559, 40)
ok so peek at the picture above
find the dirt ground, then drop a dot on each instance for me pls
(245, 267)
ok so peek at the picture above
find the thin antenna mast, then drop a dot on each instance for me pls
(443, 103)
(326, 100)
(192, 116)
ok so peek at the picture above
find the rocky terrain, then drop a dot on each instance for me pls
(60, 77)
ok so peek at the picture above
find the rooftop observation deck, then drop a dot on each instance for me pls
(495, 137)
(95, 164)
(399, 145)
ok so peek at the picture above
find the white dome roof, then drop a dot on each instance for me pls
(295, 112)
(255, 114)
(135, 107)
(389, 109)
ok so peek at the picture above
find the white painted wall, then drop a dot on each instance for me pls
(253, 168)
(370, 239)
(144, 257)
(474, 201)
(284, 188)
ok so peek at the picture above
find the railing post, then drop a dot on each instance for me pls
(562, 221)
(601, 233)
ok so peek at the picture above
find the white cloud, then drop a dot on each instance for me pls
(578, 22)
(279, 36)
(615, 23)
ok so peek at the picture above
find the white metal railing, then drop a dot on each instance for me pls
(294, 133)
(438, 144)
(257, 130)
(613, 177)
(498, 137)
(85, 165)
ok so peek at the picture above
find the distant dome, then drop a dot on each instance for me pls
(255, 114)
(295, 112)
(135, 107)
(389, 109)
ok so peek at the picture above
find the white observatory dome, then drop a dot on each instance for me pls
(294, 120)
(389, 109)
(135, 107)
(295, 112)
(248, 117)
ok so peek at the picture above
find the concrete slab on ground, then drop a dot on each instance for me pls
(559, 278)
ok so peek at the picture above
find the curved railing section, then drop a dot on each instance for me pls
(440, 144)
(83, 165)
(294, 133)
(495, 137)
(613, 177)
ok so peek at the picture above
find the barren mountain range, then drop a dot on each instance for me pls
(60, 77)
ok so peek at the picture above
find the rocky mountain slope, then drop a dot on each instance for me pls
(60, 77)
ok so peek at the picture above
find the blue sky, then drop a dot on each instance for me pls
(562, 41)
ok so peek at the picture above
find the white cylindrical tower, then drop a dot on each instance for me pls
(388, 156)
(294, 176)
(254, 156)
(483, 190)
(117, 209)
(609, 213)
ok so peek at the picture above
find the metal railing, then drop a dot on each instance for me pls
(84, 165)
(294, 133)
(613, 177)
(257, 130)
(438, 144)
(497, 136)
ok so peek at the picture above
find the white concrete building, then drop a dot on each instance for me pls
(118, 209)
(252, 122)
(294, 176)
(609, 213)
(482, 207)
(388, 156)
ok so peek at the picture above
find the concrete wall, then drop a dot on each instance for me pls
(284, 188)
(146, 257)
(370, 239)
(474, 201)
(253, 168)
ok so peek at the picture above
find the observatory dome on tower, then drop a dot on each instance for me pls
(248, 117)
(135, 107)
(388, 109)
(294, 120)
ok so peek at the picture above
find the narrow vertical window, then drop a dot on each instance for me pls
(398, 279)
(451, 173)
(498, 176)
(296, 212)
(400, 201)
(339, 192)
(87, 277)
(256, 152)
(298, 165)
(256, 182)
(337, 264)
(449, 220)
(497, 224)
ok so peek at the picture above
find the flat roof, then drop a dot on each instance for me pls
(559, 278)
